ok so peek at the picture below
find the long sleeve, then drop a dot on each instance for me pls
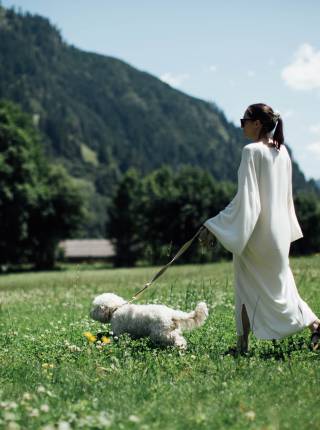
(296, 232)
(234, 225)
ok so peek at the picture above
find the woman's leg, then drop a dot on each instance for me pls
(243, 341)
(315, 335)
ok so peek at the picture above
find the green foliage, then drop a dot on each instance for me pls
(152, 217)
(51, 376)
(58, 215)
(125, 219)
(39, 203)
(308, 212)
(20, 174)
(174, 204)
(99, 114)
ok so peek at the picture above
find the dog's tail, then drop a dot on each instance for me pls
(194, 319)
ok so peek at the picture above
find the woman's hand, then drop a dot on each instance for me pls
(206, 238)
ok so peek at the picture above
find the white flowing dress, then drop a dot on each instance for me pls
(258, 226)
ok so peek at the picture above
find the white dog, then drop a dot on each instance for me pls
(163, 324)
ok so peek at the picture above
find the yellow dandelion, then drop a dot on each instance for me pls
(106, 339)
(90, 337)
(87, 334)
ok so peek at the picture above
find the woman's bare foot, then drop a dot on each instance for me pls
(314, 326)
(240, 349)
(242, 344)
(315, 335)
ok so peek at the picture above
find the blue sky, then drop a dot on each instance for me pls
(233, 53)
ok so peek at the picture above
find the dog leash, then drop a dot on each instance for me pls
(164, 268)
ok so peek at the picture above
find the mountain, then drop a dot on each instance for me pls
(99, 115)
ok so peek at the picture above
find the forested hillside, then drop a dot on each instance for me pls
(99, 116)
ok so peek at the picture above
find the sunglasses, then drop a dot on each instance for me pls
(243, 121)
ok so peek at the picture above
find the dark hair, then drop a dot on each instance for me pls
(269, 120)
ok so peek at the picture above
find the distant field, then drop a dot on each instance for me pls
(51, 377)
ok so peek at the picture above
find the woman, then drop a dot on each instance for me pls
(257, 227)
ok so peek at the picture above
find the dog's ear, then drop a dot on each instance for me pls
(100, 313)
(106, 311)
(111, 312)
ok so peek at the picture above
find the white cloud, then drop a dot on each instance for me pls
(314, 148)
(251, 73)
(212, 68)
(287, 114)
(304, 72)
(174, 80)
(315, 129)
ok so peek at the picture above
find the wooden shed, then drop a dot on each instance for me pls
(87, 249)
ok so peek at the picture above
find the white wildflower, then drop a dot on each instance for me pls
(26, 396)
(48, 427)
(134, 419)
(44, 408)
(12, 425)
(41, 389)
(104, 419)
(64, 425)
(8, 405)
(250, 415)
(34, 412)
(9, 416)
(74, 348)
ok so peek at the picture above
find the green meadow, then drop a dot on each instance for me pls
(53, 377)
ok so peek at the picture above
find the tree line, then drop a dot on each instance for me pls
(153, 215)
(149, 218)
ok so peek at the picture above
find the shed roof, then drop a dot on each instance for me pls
(86, 248)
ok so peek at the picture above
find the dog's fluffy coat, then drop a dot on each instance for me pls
(163, 324)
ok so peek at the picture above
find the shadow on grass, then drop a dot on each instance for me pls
(137, 346)
(62, 267)
(280, 350)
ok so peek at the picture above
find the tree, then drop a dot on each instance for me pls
(57, 215)
(153, 216)
(39, 205)
(125, 219)
(175, 205)
(308, 213)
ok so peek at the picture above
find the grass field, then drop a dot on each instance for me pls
(53, 378)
